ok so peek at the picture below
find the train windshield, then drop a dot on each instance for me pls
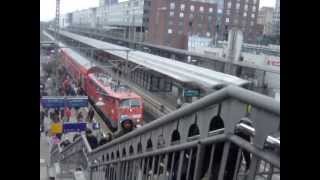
(130, 103)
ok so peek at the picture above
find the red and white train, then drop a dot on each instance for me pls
(119, 102)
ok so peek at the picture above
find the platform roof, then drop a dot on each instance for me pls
(179, 71)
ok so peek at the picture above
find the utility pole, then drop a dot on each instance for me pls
(57, 18)
(127, 63)
(56, 39)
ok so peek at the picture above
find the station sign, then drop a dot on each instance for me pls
(191, 93)
(74, 127)
(77, 102)
(60, 102)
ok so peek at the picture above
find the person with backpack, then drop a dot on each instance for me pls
(92, 140)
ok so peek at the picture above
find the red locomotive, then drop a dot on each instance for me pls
(119, 103)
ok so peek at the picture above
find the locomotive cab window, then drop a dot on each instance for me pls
(125, 103)
(132, 103)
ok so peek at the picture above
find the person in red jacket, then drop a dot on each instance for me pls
(67, 112)
(65, 84)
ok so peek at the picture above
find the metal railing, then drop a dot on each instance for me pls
(184, 144)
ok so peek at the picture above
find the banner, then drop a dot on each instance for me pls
(60, 102)
(74, 127)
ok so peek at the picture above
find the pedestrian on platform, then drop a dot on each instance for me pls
(90, 114)
(67, 112)
(61, 113)
(56, 111)
(72, 92)
(80, 117)
(79, 92)
(76, 90)
(92, 140)
(105, 139)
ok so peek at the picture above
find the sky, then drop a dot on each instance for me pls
(48, 7)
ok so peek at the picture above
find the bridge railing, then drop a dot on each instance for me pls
(198, 141)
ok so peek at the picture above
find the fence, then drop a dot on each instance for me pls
(202, 140)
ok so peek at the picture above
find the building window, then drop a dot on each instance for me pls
(251, 23)
(201, 9)
(238, 6)
(228, 12)
(169, 31)
(192, 8)
(247, 1)
(180, 23)
(191, 16)
(172, 6)
(252, 15)
(209, 18)
(235, 21)
(171, 13)
(229, 5)
(181, 15)
(253, 9)
(210, 10)
(246, 7)
(227, 20)
(254, 1)
(180, 32)
(182, 6)
(170, 23)
(245, 14)
(201, 18)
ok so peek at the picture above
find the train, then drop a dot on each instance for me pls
(115, 101)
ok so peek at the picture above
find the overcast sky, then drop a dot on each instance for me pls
(47, 7)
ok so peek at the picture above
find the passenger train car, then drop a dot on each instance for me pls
(119, 103)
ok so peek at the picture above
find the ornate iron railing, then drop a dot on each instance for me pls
(203, 140)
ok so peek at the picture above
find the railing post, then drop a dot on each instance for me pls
(118, 171)
(253, 168)
(90, 173)
(199, 161)
(224, 160)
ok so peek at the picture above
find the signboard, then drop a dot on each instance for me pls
(74, 127)
(191, 93)
(56, 128)
(52, 102)
(60, 102)
(77, 102)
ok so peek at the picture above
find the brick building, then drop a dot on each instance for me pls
(265, 18)
(172, 22)
(243, 15)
